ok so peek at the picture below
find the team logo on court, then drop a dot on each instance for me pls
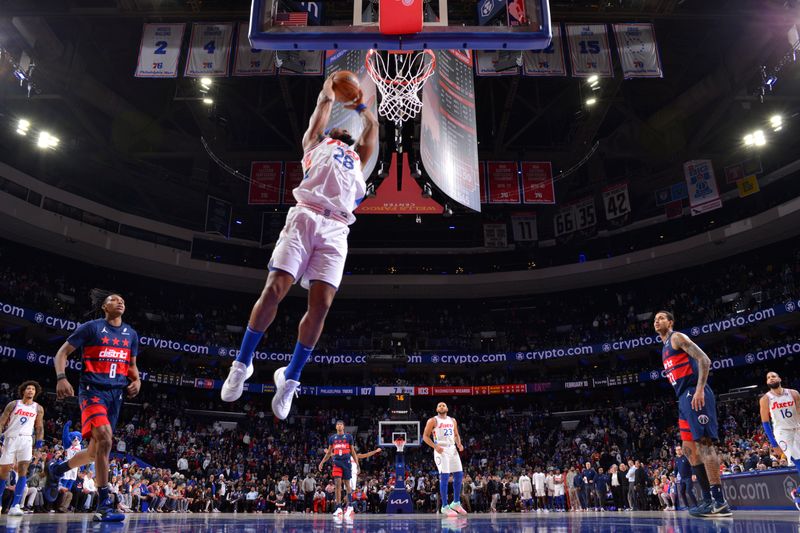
(790, 307)
(750, 358)
(703, 419)
(654, 375)
(39, 318)
(606, 347)
(434, 359)
(222, 352)
(31, 356)
(695, 331)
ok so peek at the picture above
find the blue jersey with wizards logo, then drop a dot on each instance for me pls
(341, 446)
(106, 352)
(680, 369)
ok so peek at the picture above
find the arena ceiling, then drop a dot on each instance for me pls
(136, 142)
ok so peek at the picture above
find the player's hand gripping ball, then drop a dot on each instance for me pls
(346, 87)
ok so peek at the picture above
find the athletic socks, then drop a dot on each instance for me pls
(19, 490)
(102, 494)
(443, 479)
(716, 493)
(299, 358)
(458, 478)
(249, 342)
(702, 478)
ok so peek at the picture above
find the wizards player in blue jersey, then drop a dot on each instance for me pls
(686, 367)
(108, 348)
(341, 447)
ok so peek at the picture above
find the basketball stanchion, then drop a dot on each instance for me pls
(399, 499)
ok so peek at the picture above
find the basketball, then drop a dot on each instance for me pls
(346, 86)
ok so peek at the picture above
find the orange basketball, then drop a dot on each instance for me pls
(346, 86)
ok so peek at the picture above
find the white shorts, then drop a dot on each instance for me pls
(540, 493)
(449, 461)
(789, 442)
(311, 247)
(17, 450)
(354, 478)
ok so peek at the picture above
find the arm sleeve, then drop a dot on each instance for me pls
(768, 432)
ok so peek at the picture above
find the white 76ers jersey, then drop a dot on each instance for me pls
(332, 179)
(22, 420)
(783, 410)
(444, 432)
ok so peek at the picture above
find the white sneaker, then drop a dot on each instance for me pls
(285, 390)
(234, 384)
(349, 513)
(16, 510)
(338, 513)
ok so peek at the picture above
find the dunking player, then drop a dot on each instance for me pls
(341, 447)
(108, 349)
(21, 419)
(780, 405)
(686, 367)
(312, 245)
(354, 467)
(441, 434)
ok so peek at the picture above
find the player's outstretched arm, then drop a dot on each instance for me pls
(367, 455)
(367, 143)
(63, 387)
(320, 116)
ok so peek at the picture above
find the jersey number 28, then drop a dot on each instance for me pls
(345, 160)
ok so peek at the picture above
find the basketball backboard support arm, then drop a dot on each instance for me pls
(265, 35)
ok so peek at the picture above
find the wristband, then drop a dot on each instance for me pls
(61, 376)
(768, 432)
(38, 444)
(360, 108)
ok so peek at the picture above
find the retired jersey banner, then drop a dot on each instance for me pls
(702, 186)
(638, 51)
(292, 176)
(497, 63)
(265, 183)
(547, 62)
(160, 50)
(588, 50)
(209, 50)
(616, 201)
(503, 182)
(537, 182)
(218, 216)
(251, 61)
(523, 227)
(578, 216)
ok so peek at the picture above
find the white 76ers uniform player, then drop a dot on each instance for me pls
(18, 442)
(442, 431)
(780, 406)
(312, 246)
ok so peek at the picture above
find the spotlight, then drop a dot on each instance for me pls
(776, 121)
(591, 101)
(594, 78)
(205, 82)
(758, 138)
(23, 124)
(748, 140)
(208, 101)
(46, 140)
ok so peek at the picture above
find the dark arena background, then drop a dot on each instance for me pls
(576, 166)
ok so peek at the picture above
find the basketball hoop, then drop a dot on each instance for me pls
(399, 444)
(399, 77)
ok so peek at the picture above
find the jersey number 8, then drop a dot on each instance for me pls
(345, 160)
(112, 370)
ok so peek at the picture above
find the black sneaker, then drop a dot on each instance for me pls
(718, 509)
(106, 512)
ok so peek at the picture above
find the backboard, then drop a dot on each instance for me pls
(388, 430)
(447, 24)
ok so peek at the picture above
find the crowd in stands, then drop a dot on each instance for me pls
(592, 315)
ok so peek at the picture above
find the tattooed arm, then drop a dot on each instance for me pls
(682, 342)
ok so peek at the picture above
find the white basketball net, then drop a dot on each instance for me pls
(399, 444)
(399, 78)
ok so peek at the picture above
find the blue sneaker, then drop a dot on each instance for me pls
(796, 498)
(50, 491)
(106, 512)
(703, 509)
(718, 509)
